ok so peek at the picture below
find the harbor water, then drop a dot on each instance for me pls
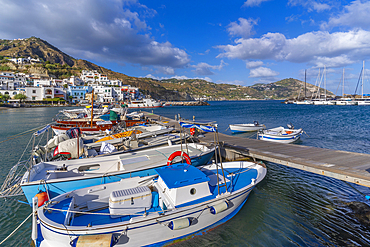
(289, 208)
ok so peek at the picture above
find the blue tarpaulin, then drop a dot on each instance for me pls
(39, 132)
(205, 128)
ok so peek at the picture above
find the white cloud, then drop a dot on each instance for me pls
(205, 53)
(355, 15)
(166, 70)
(104, 30)
(339, 61)
(310, 47)
(262, 72)
(253, 64)
(182, 77)
(312, 5)
(235, 82)
(321, 7)
(270, 45)
(253, 3)
(243, 29)
(205, 69)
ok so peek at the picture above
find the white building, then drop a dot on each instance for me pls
(39, 93)
(90, 77)
(75, 81)
(28, 60)
(104, 94)
(42, 82)
(11, 93)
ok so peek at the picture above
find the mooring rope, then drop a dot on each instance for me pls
(22, 134)
(16, 229)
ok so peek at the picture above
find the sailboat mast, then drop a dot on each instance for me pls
(363, 73)
(343, 85)
(325, 80)
(305, 84)
(318, 95)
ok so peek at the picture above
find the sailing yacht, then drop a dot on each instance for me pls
(363, 101)
(318, 100)
(343, 100)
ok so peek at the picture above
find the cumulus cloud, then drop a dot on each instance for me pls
(182, 77)
(354, 15)
(310, 47)
(262, 72)
(105, 30)
(243, 29)
(339, 61)
(253, 3)
(205, 69)
(253, 64)
(311, 5)
(166, 70)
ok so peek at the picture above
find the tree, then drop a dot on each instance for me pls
(5, 97)
(20, 96)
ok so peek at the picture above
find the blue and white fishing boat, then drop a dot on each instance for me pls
(280, 134)
(178, 202)
(58, 177)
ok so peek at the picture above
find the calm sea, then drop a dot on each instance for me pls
(289, 208)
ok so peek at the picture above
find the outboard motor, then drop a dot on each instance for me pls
(290, 126)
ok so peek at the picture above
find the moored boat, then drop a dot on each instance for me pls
(58, 177)
(235, 128)
(280, 134)
(177, 203)
(144, 103)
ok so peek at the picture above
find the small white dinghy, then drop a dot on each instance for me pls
(280, 134)
(255, 126)
(177, 203)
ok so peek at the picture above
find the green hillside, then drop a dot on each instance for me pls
(57, 64)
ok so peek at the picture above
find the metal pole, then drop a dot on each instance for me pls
(222, 168)
(218, 182)
(92, 107)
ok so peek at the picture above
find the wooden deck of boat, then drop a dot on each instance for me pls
(347, 166)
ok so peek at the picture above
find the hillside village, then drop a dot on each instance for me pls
(73, 89)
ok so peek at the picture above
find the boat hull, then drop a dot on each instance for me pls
(58, 130)
(153, 228)
(283, 138)
(143, 106)
(155, 231)
(61, 186)
(238, 128)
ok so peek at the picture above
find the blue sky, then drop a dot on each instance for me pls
(236, 42)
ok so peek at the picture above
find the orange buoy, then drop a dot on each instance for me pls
(42, 197)
(181, 154)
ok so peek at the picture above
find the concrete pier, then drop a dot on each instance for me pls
(347, 166)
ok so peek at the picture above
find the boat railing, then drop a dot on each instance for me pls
(11, 185)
